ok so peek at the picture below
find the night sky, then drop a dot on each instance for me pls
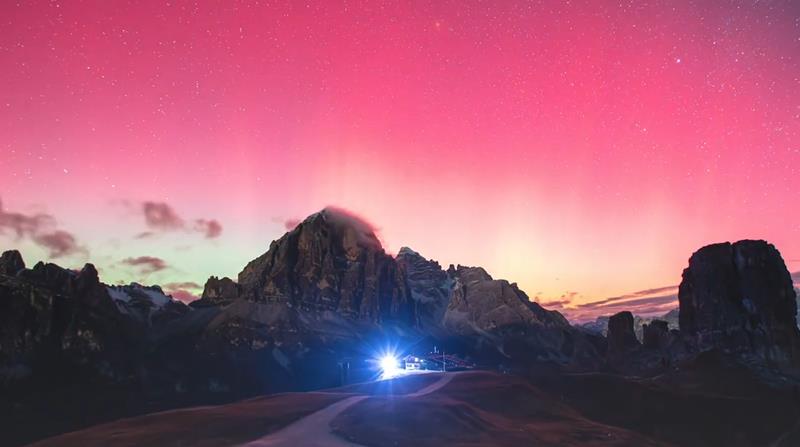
(581, 149)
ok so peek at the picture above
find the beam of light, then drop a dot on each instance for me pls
(389, 365)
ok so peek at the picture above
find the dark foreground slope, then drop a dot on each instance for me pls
(490, 409)
(230, 424)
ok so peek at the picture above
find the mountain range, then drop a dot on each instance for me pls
(325, 295)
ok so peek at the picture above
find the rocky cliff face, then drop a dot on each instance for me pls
(480, 304)
(51, 317)
(218, 292)
(621, 337)
(332, 261)
(85, 352)
(11, 263)
(600, 325)
(656, 335)
(146, 305)
(429, 285)
(329, 276)
(497, 313)
(739, 298)
(659, 350)
(54, 316)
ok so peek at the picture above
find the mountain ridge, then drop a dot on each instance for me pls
(324, 295)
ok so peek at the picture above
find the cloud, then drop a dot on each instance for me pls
(182, 285)
(639, 303)
(647, 302)
(42, 230)
(183, 291)
(160, 217)
(366, 232)
(23, 225)
(147, 264)
(183, 295)
(554, 304)
(289, 224)
(210, 228)
(561, 302)
(630, 296)
(59, 243)
(647, 306)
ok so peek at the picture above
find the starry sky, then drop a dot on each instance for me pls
(583, 149)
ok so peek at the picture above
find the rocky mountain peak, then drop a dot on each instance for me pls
(418, 265)
(89, 275)
(332, 261)
(656, 334)
(217, 291)
(621, 336)
(468, 275)
(11, 263)
(406, 251)
(739, 297)
(352, 229)
(429, 285)
(480, 303)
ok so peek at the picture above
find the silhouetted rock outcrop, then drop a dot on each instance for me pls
(739, 298)
(620, 333)
(659, 349)
(600, 324)
(217, 292)
(11, 263)
(53, 319)
(656, 335)
(91, 291)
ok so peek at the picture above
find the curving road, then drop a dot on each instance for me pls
(314, 430)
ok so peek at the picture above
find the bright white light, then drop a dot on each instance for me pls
(390, 366)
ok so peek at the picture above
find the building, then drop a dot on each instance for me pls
(412, 363)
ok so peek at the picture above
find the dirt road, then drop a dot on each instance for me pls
(314, 429)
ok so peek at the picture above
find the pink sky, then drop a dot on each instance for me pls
(583, 150)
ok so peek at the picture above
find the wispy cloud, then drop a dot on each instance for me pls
(289, 224)
(654, 301)
(41, 229)
(182, 285)
(631, 296)
(210, 228)
(146, 264)
(183, 295)
(183, 291)
(638, 303)
(562, 302)
(59, 243)
(160, 217)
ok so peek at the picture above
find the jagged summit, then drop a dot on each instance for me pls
(345, 224)
(331, 261)
(407, 251)
(11, 262)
